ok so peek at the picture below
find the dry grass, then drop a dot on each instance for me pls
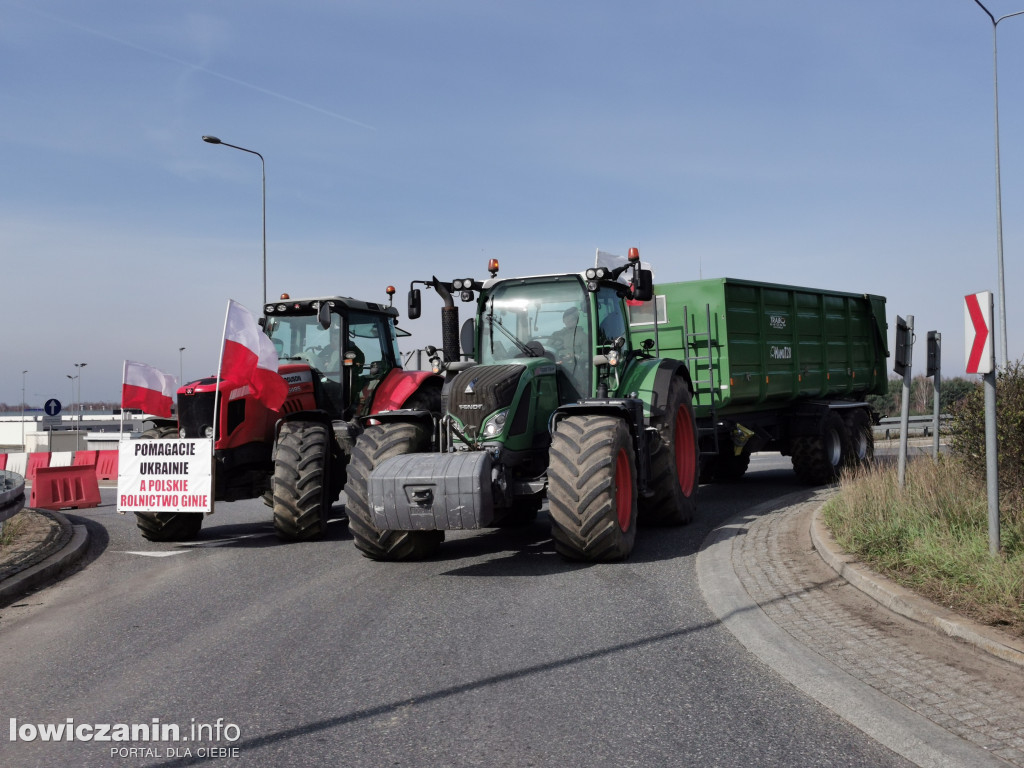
(932, 537)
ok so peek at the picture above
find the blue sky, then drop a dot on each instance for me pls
(827, 143)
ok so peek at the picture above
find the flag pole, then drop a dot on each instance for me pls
(124, 378)
(216, 405)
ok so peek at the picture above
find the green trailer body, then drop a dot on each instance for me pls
(768, 345)
(774, 367)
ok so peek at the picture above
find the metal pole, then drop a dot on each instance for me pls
(937, 386)
(181, 366)
(999, 187)
(263, 164)
(23, 409)
(905, 408)
(992, 463)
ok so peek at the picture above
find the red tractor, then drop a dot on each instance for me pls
(340, 359)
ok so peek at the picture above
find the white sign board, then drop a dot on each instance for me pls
(165, 476)
(979, 349)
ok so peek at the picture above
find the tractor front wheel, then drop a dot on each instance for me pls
(592, 488)
(373, 446)
(301, 481)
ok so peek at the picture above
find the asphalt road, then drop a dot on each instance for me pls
(495, 653)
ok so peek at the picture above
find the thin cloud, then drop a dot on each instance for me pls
(198, 68)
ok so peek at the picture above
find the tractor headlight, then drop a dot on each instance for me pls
(208, 432)
(496, 423)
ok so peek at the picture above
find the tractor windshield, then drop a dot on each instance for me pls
(546, 317)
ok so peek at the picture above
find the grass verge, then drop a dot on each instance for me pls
(10, 528)
(932, 537)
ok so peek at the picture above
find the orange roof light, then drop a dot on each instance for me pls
(634, 254)
(390, 290)
(492, 267)
(285, 297)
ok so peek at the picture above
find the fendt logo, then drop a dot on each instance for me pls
(470, 388)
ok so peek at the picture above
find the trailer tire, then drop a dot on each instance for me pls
(592, 488)
(674, 470)
(169, 526)
(301, 484)
(371, 448)
(862, 438)
(730, 468)
(819, 458)
(160, 433)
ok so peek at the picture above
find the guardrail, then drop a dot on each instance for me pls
(12, 494)
(916, 425)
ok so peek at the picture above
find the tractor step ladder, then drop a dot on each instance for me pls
(698, 361)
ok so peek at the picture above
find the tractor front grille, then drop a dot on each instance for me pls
(478, 392)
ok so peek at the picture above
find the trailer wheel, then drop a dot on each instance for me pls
(169, 526)
(730, 468)
(674, 471)
(862, 438)
(371, 448)
(300, 485)
(592, 488)
(818, 458)
(160, 433)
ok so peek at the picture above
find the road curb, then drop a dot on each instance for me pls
(909, 604)
(46, 571)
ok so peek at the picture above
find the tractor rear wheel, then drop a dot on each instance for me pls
(674, 468)
(373, 446)
(592, 488)
(301, 481)
(169, 526)
(819, 458)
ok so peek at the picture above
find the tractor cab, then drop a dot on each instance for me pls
(333, 352)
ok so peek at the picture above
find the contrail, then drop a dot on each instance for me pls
(196, 67)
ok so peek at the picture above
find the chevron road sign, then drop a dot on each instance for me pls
(979, 349)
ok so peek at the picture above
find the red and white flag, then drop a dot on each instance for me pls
(148, 388)
(249, 358)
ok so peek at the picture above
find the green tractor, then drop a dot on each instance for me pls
(549, 399)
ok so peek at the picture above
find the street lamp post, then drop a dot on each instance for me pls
(999, 189)
(72, 406)
(23, 409)
(181, 366)
(263, 164)
(78, 432)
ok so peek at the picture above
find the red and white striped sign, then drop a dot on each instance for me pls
(979, 349)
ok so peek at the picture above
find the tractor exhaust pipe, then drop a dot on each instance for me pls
(449, 322)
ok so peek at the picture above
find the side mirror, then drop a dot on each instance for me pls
(643, 285)
(415, 309)
(467, 338)
(323, 315)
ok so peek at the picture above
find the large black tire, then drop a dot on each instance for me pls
(373, 446)
(674, 470)
(819, 458)
(301, 484)
(169, 526)
(730, 467)
(592, 488)
(862, 437)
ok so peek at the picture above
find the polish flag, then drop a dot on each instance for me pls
(148, 388)
(249, 358)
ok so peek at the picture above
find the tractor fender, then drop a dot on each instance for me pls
(398, 386)
(650, 380)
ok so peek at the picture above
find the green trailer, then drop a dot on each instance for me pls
(774, 367)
